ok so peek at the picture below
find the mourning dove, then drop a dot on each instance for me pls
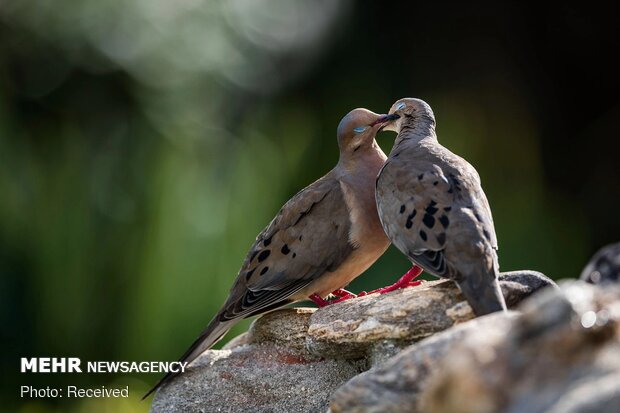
(604, 267)
(433, 209)
(320, 240)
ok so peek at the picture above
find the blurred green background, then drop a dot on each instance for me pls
(145, 143)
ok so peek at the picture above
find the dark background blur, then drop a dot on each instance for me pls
(144, 144)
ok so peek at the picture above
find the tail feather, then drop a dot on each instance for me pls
(483, 293)
(211, 335)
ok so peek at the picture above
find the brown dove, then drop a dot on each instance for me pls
(320, 240)
(433, 209)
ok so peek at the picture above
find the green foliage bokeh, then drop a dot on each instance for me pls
(143, 146)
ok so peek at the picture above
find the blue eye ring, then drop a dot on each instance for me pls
(400, 106)
(360, 129)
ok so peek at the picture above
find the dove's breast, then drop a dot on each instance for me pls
(366, 234)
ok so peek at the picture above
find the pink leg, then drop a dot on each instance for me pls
(342, 295)
(320, 302)
(404, 282)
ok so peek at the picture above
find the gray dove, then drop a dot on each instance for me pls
(433, 209)
(320, 240)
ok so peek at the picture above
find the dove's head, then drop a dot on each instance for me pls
(358, 129)
(409, 110)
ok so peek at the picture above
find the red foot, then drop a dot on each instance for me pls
(320, 302)
(342, 295)
(403, 282)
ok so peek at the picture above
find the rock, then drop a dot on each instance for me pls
(562, 354)
(294, 359)
(604, 267)
(255, 378)
(395, 386)
(518, 285)
(361, 327)
(286, 328)
(241, 340)
(351, 329)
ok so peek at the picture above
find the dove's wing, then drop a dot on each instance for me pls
(428, 200)
(308, 236)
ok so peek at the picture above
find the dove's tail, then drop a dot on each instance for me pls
(483, 293)
(211, 335)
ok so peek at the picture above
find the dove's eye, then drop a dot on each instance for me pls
(360, 129)
(400, 106)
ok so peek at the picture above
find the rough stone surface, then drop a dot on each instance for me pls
(364, 326)
(561, 355)
(263, 378)
(395, 385)
(518, 285)
(293, 360)
(604, 266)
(352, 328)
(287, 328)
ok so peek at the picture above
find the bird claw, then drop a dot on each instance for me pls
(342, 295)
(343, 298)
(403, 282)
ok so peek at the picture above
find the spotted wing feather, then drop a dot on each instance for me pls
(427, 199)
(308, 236)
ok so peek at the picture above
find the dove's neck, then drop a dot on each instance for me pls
(414, 130)
(367, 160)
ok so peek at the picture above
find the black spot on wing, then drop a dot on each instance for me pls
(428, 220)
(444, 221)
(254, 255)
(267, 241)
(285, 249)
(402, 208)
(249, 274)
(431, 209)
(486, 234)
(264, 271)
(294, 254)
(423, 235)
(263, 255)
(409, 222)
(420, 176)
(447, 209)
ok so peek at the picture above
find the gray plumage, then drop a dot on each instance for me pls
(320, 240)
(433, 209)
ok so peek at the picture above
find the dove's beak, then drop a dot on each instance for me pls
(385, 119)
